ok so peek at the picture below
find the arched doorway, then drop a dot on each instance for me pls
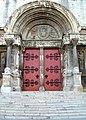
(42, 59)
(41, 26)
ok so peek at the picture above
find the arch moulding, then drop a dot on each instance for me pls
(49, 16)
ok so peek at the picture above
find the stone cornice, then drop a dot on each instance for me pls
(74, 38)
(67, 40)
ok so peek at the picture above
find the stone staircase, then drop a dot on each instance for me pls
(43, 106)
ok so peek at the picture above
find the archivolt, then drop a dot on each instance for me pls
(39, 13)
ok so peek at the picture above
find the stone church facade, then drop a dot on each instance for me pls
(43, 48)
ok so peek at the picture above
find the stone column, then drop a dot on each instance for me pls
(67, 71)
(7, 76)
(75, 56)
(76, 74)
(16, 63)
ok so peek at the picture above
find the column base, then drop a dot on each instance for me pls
(16, 81)
(78, 89)
(7, 70)
(7, 83)
(6, 89)
(18, 89)
(67, 80)
(17, 84)
(77, 82)
(41, 88)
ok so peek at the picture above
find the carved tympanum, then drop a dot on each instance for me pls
(42, 32)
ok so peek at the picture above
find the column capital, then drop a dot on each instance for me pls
(17, 40)
(9, 39)
(70, 38)
(14, 39)
(66, 39)
(74, 41)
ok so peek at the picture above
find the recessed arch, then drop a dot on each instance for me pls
(36, 13)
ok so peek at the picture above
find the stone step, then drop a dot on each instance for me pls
(42, 105)
(38, 117)
(42, 112)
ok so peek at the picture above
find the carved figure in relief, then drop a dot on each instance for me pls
(42, 32)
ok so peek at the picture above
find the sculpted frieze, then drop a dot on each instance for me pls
(82, 39)
(71, 38)
(39, 43)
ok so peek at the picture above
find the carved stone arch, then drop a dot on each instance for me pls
(46, 16)
(46, 13)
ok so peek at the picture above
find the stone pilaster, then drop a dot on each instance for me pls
(76, 74)
(7, 76)
(67, 71)
(16, 63)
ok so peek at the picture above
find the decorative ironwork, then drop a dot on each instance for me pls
(37, 76)
(51, 56)
(53, 82)
(30, 69)
(30, 83)
(52, 69)
(46, 76)
(30, 56)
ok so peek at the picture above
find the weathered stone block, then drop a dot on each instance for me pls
(7, 84)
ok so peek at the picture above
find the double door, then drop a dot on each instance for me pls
(46, 64)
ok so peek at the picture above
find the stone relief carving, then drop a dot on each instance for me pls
(40, 43)
(65, 60)
(17, 40)
(81, 58)
(42, 32)
(82, 39)
(2, 40)
(3, 62)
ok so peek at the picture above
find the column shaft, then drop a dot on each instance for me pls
(68, 66)
(8, 61)
(75, 58)
(76, 74)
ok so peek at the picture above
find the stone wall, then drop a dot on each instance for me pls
(7, 7)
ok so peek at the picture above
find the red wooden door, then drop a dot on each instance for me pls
(52, 69)
(31, 70)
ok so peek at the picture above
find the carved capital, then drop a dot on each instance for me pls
(66, 39)
(9, 42)
(74, 38)
(71, 39)
(74, 41)
(17, 40)
(9, 39)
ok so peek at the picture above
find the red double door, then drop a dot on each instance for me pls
(52, 70)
